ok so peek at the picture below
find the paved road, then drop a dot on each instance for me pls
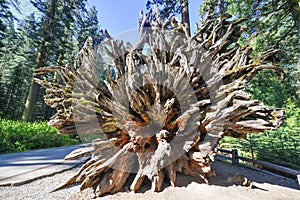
(18, 168)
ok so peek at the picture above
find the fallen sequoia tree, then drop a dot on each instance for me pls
(165, 104)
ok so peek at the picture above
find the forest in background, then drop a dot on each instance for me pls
(54, 35)
(51, 36)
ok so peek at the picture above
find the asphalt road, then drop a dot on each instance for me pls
(16, 168)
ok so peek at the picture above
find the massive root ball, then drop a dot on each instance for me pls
(164, 105)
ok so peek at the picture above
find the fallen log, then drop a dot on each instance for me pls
(162, 112)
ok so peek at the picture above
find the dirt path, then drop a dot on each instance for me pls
(200, 191)
(264, 186)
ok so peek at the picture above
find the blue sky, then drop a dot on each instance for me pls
(118, 16)
(122, 15)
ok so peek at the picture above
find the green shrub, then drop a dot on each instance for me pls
(16, 136)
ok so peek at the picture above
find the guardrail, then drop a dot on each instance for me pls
(235, 160)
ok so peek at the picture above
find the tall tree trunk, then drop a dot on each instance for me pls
(185, 17)
(7, 107)
(11, 97)
(30, 102)
(295, 8)
(40, 61)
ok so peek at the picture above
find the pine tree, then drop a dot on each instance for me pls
(170, 7)
(56, 46)
(88, 25)
(39, 42)
(48, 30)
(12, 70)
(5, 14)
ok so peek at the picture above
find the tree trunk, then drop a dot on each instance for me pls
(30, 102)
(160, 114)
(9, 99)
(40, 62)
(185, 16)
(295, 8)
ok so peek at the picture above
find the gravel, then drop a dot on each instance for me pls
(265, 186)
(40, 189)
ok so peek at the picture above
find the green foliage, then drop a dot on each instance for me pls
(266, 87)
(16, 136)
(62, 25)
(5, 18)
(89, 26)
(281, 146)
(272, 24)
(167, 7)
(54, 34)
(15, 73)
(213, 6)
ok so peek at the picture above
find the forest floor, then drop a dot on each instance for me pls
(264, 186)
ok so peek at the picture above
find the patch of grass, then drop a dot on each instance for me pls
(17, 136)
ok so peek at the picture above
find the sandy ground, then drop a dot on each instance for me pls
(264, 186)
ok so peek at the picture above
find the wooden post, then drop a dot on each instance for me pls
(235, 159)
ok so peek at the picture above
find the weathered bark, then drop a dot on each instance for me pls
(163, 112)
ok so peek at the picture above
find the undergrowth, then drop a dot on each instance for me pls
(17, 136)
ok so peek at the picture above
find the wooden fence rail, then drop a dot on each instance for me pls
(235, 160)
